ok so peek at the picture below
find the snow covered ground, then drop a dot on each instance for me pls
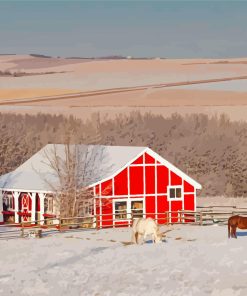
(193, 260)
(239, 202)
(235, 85)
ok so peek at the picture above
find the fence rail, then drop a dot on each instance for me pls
(203, 217)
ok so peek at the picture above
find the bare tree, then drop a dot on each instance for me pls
(74, 169)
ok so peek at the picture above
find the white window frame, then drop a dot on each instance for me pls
(114, 209)
(175, 187)
(129, 210)
(143, 204)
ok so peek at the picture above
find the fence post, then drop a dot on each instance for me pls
(60, 224)
(200, 218)
(167, 218)
(97, 222)
(22, 229)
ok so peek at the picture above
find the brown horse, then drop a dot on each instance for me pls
(235, 222)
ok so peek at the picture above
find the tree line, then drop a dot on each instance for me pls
(212, 150)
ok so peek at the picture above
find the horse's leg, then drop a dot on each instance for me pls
(133, 238)
(234, 235)
(232, 230)
(229, 229)
(144, 236)
(136, 237)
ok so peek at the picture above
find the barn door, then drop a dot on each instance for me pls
(25, 207)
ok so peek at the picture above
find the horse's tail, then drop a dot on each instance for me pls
(229, 228)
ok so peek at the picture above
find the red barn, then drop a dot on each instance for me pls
(126, 181)
(146, 186)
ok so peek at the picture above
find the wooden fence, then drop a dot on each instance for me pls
(206, 216)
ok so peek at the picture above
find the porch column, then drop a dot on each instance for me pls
(42, 207)
(33, 214)
(1, 206)
(16, 198)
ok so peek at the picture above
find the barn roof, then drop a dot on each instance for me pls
(98, 163)
(37, 174)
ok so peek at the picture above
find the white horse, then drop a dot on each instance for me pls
(144, 227)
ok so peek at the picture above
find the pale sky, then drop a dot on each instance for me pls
(172, 29)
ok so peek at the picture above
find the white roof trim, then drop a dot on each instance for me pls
(120, 170)
(174, 169)
(25, 190)
(161, 160)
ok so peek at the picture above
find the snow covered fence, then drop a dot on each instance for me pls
(210, 217)
(205, 217)
(165, 218)
(9, 231)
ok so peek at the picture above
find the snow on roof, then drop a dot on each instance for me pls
(36, 174)
(97, 162)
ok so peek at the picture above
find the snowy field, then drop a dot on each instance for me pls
(193, 260)
(239, 202)
(235, 85)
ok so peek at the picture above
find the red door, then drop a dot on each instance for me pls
(25, 206)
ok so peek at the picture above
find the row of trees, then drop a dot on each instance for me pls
(211, 150)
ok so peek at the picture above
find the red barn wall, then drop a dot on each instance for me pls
(149, 159)
(139, 160)
(150, 179)
(189, 197)
(189, 202)
(121, 183)
(136, 180)
(157, 177)
(106, 188)
(106, 204)
(162, 206)
(189, 205)
(188, 187)
(175, 179)
(162, 179)
(150, 206)
(176, 206)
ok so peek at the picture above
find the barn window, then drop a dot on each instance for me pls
(120, 210)
(137, 209)
(175, 192)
